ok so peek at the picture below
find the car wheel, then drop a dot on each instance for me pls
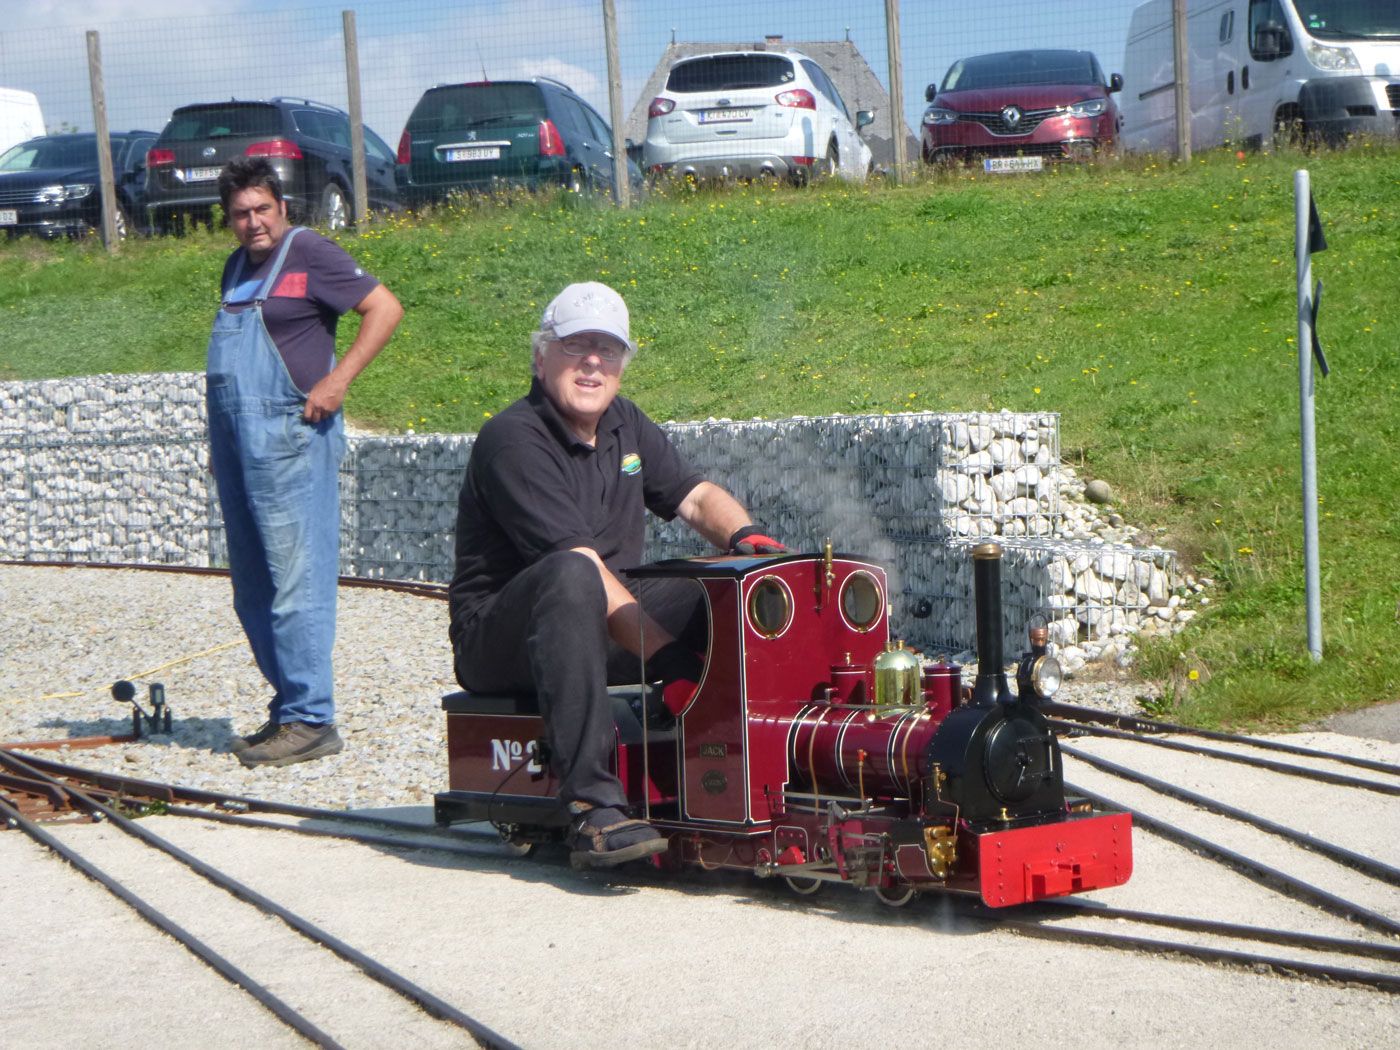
(1288, 129)
(335, 210)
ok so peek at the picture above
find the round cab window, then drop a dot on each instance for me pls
(861, 601)
(770, 607)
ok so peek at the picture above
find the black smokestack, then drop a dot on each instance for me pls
(991, 685)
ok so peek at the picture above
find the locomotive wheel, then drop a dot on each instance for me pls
(802, 887)
(513, 844)
(895, 896)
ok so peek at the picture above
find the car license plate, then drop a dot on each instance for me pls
(472, 153)
(724, 116)
(201, 174)
(997, 165)
(9, 217)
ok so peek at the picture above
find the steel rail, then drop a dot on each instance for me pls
(1376, 869)
(1263, 934)
(172, 793)
(1286, 967)
(421, 588)
(1252, 869)
(464, 848)
(1147, 725)
(1286, 768)
(423, 998)
(220, 965)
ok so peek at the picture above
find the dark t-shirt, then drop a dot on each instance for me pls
(318, 283)
(532, 488)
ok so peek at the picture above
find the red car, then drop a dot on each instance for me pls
(1016, 109)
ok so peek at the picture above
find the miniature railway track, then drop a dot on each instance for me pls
(66, 788)
(419, 588)
(1245, 942)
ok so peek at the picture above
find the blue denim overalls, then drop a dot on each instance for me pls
(278, 481)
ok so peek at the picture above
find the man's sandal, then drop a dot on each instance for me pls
(605, 837)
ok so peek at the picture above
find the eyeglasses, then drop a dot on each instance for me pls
(606, 351)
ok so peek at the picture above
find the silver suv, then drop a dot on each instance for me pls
(751, 114)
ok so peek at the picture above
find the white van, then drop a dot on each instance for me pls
(20, 117)
(1264, 71)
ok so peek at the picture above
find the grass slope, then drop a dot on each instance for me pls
(1152, 305)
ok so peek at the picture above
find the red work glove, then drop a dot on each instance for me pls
(679, 669)
(751, 540)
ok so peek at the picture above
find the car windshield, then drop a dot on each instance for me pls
(221, 122)
(1350, 19)
(730, 73)
(468, 106)
(1022, 69)
(65, 152)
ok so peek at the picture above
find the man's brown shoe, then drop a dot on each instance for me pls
(294, 742)
(263, 732)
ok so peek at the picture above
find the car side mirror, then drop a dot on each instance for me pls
(865, 117)
(1115, 83)
(1271, 41)
(929, 92)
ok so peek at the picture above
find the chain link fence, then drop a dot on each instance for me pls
(380, 57)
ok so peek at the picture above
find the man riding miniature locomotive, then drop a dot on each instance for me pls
(551, 510)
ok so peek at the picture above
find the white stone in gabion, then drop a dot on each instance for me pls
(954, 487)
(1117, 565)
(1081, 562)
(977, 463)
(1022, 507)
(1059, 574)
(1158, 587)
(1028, 478)
(1091, 588)
(1130, 595)
(1064, 631)
(1006, 452)
(979, 436)
(1003, 485)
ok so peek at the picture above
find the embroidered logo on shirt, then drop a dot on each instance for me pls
(631, 463)
(291, 286)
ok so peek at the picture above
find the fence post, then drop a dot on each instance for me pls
(1182, 83)
(622, 183)
(357, 120)
(896, 87)
(108, 187)
(1302, 212)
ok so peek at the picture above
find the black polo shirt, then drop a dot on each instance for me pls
(533, 488)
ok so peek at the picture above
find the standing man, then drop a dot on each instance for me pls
(552, 508)
(276, 439)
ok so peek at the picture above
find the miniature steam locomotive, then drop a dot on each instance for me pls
(815, 750)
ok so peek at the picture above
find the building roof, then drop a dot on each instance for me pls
(841, 59)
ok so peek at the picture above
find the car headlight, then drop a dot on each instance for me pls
(938, 115)
(58, 194)
(1046, 676)
(1090, 107)
(1332, 59)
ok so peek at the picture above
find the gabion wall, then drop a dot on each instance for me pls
(113, 468)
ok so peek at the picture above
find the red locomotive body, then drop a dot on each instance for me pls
(814, 750)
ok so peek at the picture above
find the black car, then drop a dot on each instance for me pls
(534, 133)
(49, 185)
(307, 142)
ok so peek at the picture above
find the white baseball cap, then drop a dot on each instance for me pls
(588, 307)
